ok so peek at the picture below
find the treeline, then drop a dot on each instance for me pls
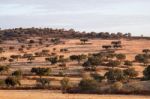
(62, 33)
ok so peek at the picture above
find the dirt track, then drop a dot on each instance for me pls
(38, 94)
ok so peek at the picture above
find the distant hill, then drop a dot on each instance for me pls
(24, 33)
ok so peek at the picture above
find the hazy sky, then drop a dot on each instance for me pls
(83, 15)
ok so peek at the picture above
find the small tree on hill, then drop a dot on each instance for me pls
(78, 58)
(83, 40)
(106, 47)
(55, 40)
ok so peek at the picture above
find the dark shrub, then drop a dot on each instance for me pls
(146, 73)
(89, 85)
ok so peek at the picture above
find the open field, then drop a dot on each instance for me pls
(130, 49)
(74, 49)
(73, 70)
(40, 94)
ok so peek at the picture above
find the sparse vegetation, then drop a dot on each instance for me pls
(79, 65)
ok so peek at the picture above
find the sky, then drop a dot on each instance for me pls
(82, 15)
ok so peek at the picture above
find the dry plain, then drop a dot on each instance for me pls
(130, 48)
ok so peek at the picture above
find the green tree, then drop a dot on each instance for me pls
(15, 57)
(17, 73)
(43, 82)
(65, 84)
(121, 57)
(31, 41)
(4, 69)
(83, 40)
(143, 58)
(12, 81)
(114, 63)
(31, 58)
(106, 47)
(3, 59)
(11, 60)
(146, 73)
(41, 71)
(55, 40)
(114, 75)
(53, 60)
(97, 77)
(89, 85)
(95, 61)
(130, 73)
(78, 58)
(92, 63)
(128, 63)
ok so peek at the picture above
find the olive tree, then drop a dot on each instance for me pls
(114, 75)
(12, 81)
(41, 71)
(121, 57)
(53, 59)
(114, 63)
(43, 82)
(143, 58)
(17, 73)
(130, 73)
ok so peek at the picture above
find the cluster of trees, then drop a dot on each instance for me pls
(106, 59)
(12, 79)
(42, 82)
(41, 71)
(144, 57)
(23, 33)
(78, 58)
(115, 77)
(114, 45)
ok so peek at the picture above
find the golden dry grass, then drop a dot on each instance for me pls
(38, 94)
(130, 48)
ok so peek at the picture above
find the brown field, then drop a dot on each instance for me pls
(130, 48)
(40, 94)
